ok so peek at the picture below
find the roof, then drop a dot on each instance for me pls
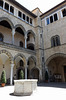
(36, 8)
(23, 8)
(53, 8)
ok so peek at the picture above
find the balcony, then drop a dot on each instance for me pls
(17, 48)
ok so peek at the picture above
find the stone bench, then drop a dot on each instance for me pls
(24, 87)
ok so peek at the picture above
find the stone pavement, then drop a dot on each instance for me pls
(44, 91)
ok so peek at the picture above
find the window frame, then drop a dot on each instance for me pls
(6, 7)
(12, 12)
(24, 17)
(27, 19)
(55, 41)
(19, 14)
(31, 21)
(62, 12)
(1, 6)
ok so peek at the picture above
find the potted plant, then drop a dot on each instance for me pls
(46, 76)
(3, 79)
(21, 76)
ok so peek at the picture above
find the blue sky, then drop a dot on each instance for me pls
(44, 5)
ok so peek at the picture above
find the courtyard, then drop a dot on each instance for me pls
(45, 91)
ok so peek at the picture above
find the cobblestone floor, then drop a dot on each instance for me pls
(44, 91)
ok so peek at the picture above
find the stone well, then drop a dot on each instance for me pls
(24, 87)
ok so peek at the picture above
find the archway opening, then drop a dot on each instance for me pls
(19, 37)
(31, 64)
(5, 24)
(19, 65)
(6, 31)
(19, 30)
(5, 64)
(57, 69)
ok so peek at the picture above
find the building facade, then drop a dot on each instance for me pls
(32, 41)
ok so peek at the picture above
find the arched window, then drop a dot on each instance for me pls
(1, 37)
(55, 41)
(21, 44)
(64, 12)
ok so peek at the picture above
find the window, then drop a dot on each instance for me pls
(19, 14)
(30, 21)
(55, 41)
(12, 9)
(21, 44)
(1, 37)
(47, 21)
(7, 6)
(27, 19)
(40, 35)
(64, 12)
(1, 4)
(55, 17)
(51, 19)
(24, 16)
(42, 59)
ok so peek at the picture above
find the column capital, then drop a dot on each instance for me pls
(12, 65)
(25, 36)
(13, 31)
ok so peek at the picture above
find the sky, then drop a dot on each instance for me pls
(43, 5)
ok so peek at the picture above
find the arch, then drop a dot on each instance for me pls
(33, 57)
(53, 56)
(8, 54)
(8, 20)
(35, 73)
(30, 31)
(19, 25)
(20, 55)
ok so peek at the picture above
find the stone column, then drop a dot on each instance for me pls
(40, 75)
(25, 41)
(26, 72)
(11, 76)
(13, 33)
(3, 5)
(61, 13)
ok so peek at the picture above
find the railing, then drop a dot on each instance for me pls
(11, 46)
